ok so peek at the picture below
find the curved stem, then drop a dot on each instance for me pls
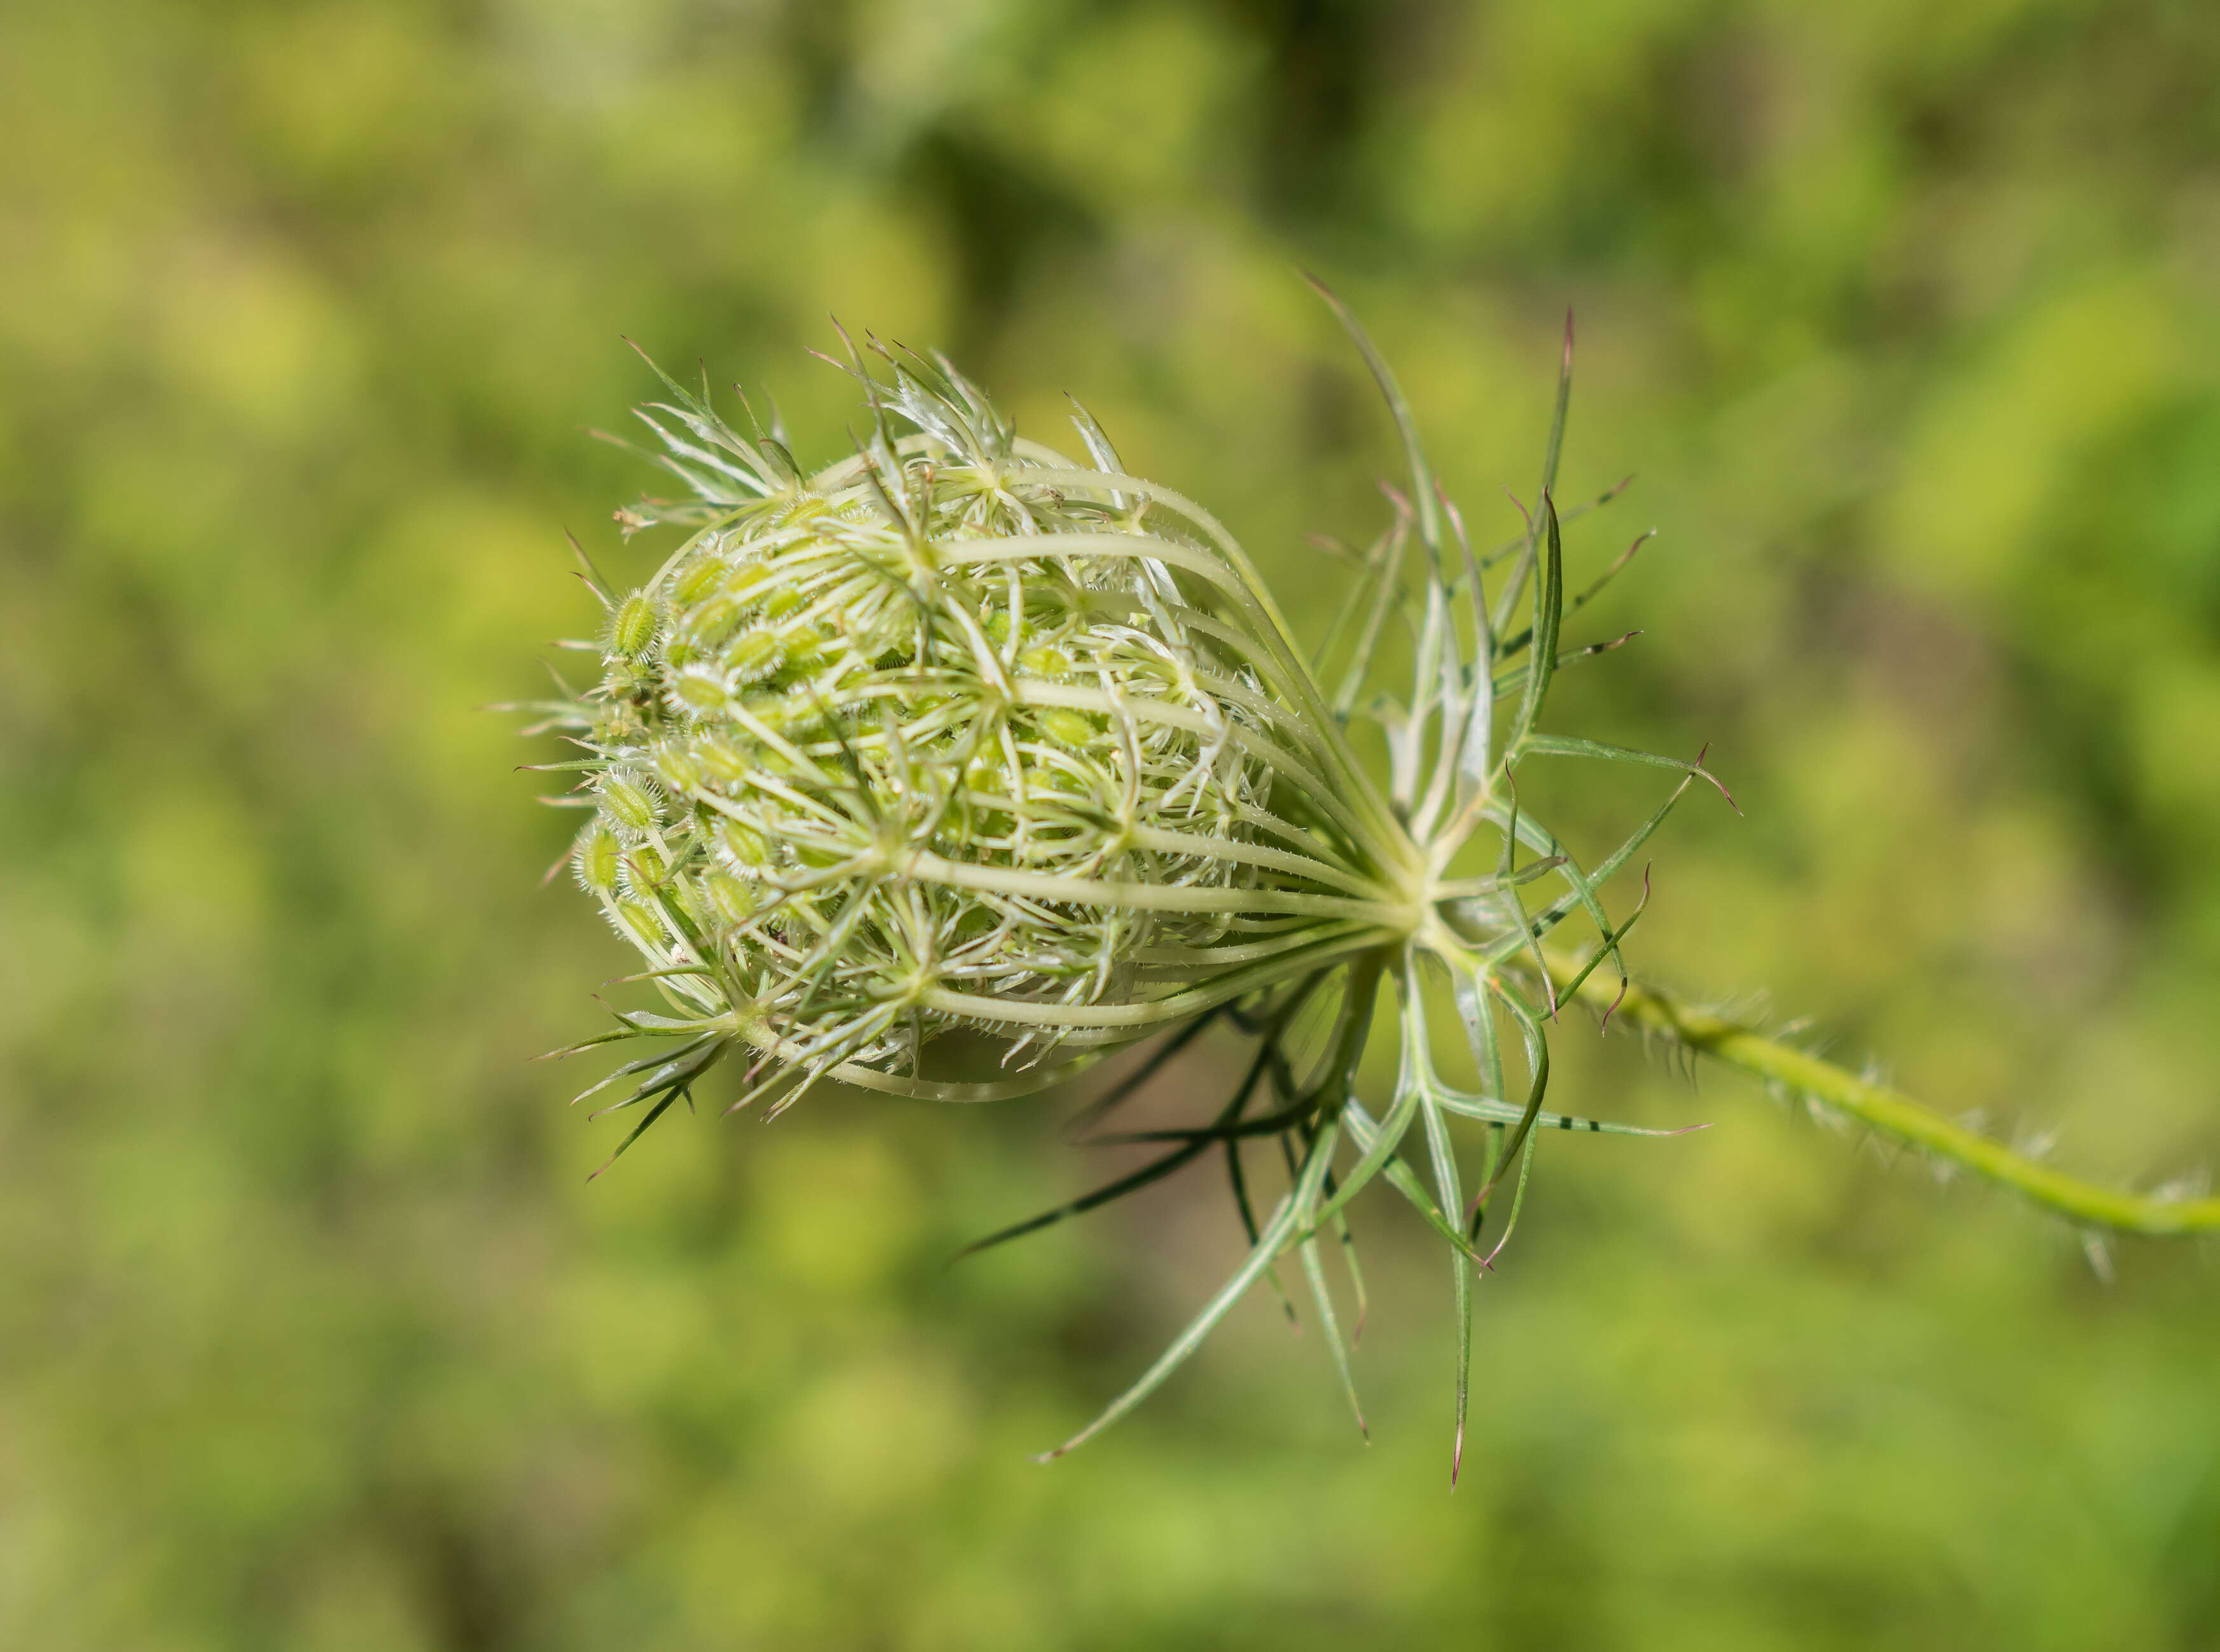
(1891, 1112)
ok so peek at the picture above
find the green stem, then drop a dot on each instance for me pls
(1891, 1112)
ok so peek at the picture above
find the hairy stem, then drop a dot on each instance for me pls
(1891, 1113)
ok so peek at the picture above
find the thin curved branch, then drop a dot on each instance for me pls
(1892, 1113)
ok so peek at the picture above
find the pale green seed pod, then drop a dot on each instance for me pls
(628, 802)
(595, 858)
(961, 734)
(632, 627)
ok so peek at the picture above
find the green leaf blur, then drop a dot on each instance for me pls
(312, 1335)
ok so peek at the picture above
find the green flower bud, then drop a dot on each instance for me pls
(645, 868)
(740, 846)
(596, 857)
(711, 620)
(628, 801)
(724, 900)
(722, 762)
(681, 767)
(697, 580)
(1044, 662)
(642, 924)
(700, 690)
(756, 654)
(632, 626)
(1075, 729)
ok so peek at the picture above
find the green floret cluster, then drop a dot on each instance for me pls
(956, 733)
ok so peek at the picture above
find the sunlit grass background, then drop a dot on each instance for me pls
(312, 1335)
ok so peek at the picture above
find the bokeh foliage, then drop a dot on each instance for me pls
(314, 1335)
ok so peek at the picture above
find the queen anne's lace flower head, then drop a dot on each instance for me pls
(966, 734)
(963, 733)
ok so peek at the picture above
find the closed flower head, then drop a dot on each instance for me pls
(965, 734)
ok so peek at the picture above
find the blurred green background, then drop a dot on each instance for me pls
(312, 1335)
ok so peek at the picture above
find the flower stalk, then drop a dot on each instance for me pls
(1897, 1117)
